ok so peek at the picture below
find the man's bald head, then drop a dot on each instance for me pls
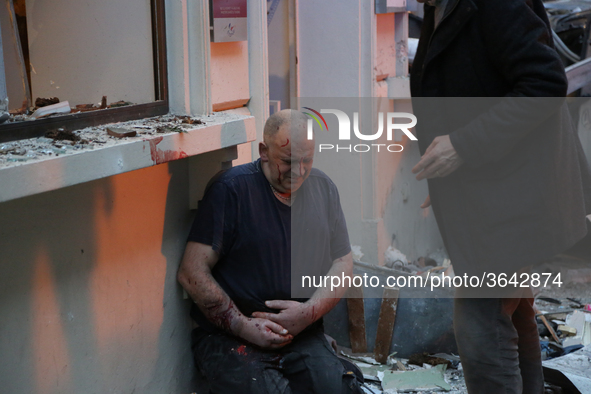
(286, 153)
(294, 124)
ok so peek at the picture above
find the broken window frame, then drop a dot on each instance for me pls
(37, 128)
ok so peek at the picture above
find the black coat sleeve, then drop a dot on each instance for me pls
(518, 40)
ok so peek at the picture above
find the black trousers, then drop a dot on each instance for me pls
(307, 365)
(499, 344)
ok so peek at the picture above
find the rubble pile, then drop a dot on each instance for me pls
(564, 326)
(402, 375)
(563, 313)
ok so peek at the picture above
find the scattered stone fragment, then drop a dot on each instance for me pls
(119, 132)
(7, 149)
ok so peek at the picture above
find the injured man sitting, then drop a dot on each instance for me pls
(258, 226)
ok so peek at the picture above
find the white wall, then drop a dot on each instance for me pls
(278, 32)
(340, 56)
(83, 50)
(88, 293)
(12, 69)
(336, 48)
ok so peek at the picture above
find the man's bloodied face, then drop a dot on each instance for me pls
(290, 156)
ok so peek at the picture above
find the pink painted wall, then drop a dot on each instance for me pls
(385, 62)
(88, 292)
(229, 71)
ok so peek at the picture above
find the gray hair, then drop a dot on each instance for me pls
(286, 116)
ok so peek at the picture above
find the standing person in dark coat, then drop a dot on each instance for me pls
(508, 182)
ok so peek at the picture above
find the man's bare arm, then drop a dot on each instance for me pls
(296, 316)
(195, 276)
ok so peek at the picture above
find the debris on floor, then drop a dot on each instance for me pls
(571, 372)
(424, 358)
(357, 253)
(564, 325)
(432, 379)
(424, 265)
(399, 375)
(578, 325)
(393, 258)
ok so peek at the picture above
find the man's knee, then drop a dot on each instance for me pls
(314, 367)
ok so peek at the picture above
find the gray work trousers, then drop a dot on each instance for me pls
(499, 344)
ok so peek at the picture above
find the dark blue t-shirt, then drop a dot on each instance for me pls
(257, 237)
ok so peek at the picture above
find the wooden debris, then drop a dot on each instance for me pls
(86, 108)
(229, 105)
(567, 330)
(386, 324)
(22, 110)
(549, 327)
(44, 102)
(356, 320)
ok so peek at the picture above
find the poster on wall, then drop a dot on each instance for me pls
(229, 20)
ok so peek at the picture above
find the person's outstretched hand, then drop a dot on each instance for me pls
(440, 160)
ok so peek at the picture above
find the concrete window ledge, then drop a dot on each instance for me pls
(398, 87)
(38, 165)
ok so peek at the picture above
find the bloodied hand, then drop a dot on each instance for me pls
(294, 316)
(263, 333)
